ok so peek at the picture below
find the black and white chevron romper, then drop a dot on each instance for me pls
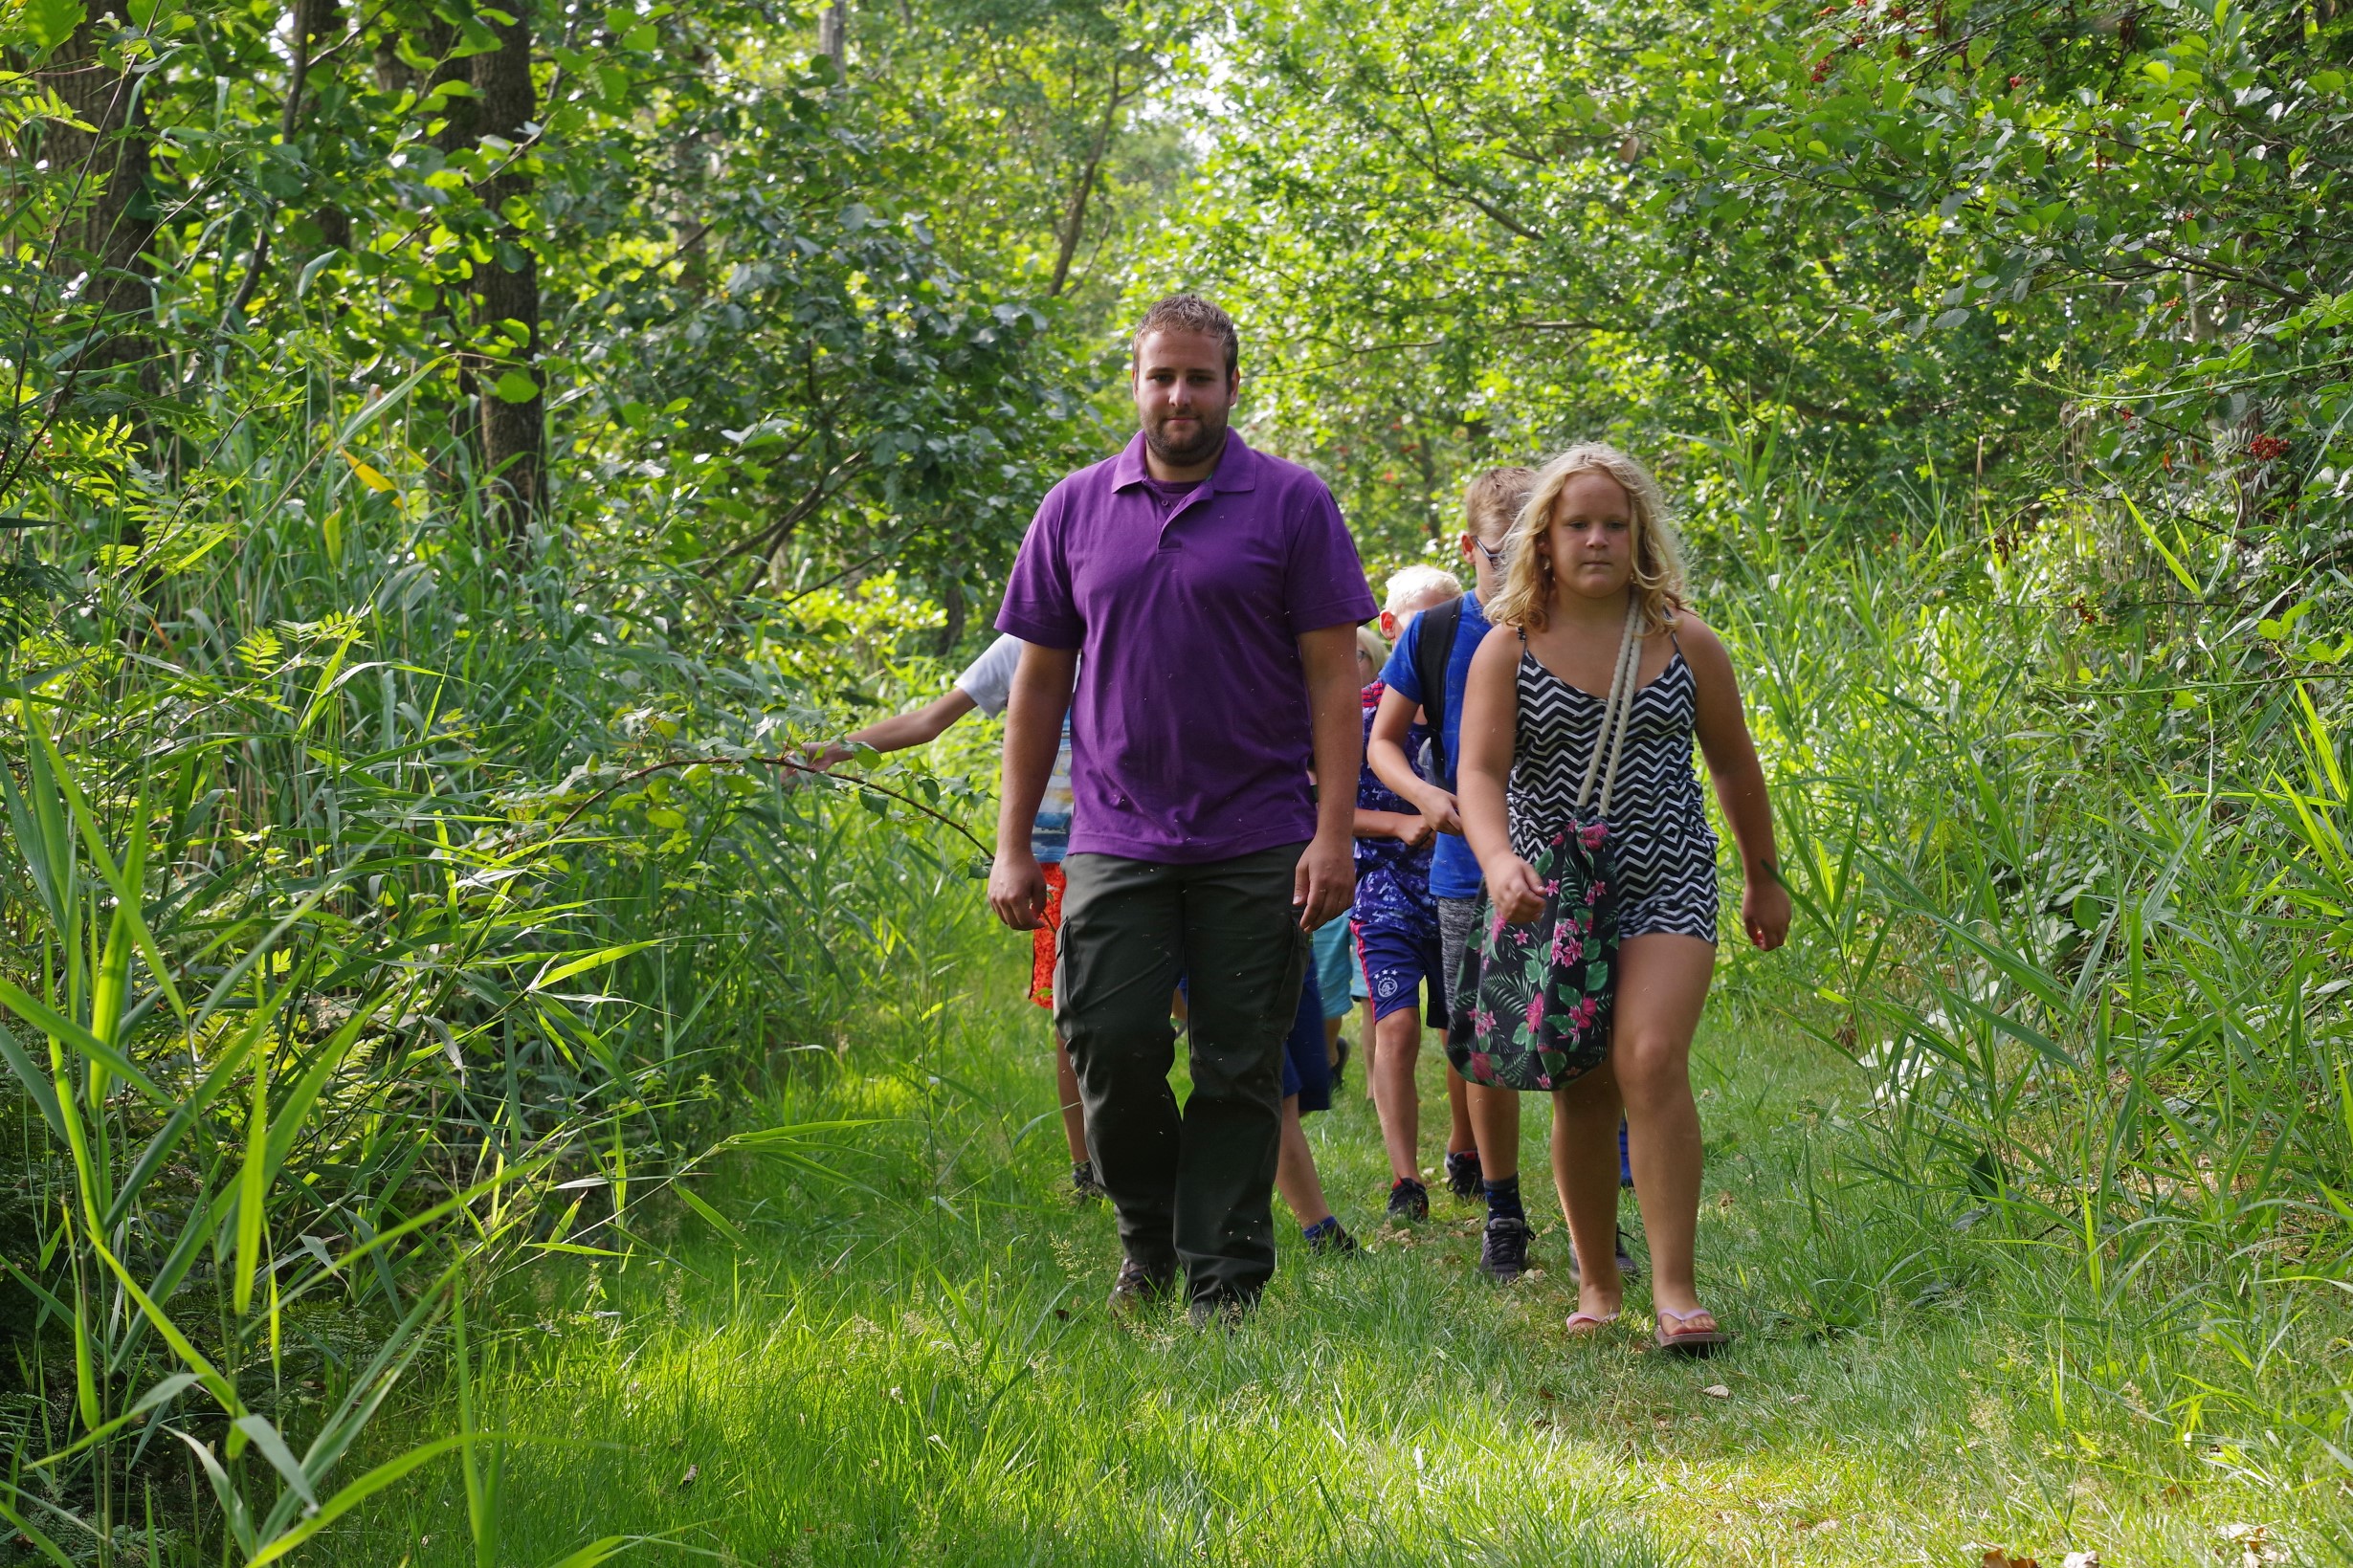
(1660, 832)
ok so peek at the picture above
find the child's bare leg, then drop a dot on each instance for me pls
(1369, 1037)
(1396, 1094)
(1294, 1170)
(1662, 986)
(1074, 1112)
(1331, 1038)
(1584, 1170)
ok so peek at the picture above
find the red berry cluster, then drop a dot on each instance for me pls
(1821, 69)
(2264, 448)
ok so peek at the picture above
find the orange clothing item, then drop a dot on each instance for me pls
(1042, 940)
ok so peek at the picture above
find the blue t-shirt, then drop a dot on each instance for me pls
(1454, 870)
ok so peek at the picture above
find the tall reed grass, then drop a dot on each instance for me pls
(343, 982)
(2065, 814)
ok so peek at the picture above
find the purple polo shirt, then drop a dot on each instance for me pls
(1189, 731)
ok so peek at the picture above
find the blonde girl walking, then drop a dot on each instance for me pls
(1592, 566)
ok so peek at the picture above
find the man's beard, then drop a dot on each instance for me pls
(1203, 447)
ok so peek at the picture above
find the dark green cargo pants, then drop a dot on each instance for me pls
(1191, 1187)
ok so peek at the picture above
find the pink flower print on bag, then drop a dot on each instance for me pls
(1566, 945)
(1586, 1010)
(1535, 1012)
(1594, 834)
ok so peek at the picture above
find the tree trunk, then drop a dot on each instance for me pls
(513, 434)
(958, 611)
(107, 233)
(834, 37)
(1074, 220)
(317, 22)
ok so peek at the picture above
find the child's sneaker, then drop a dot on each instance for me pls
(1408, 1201)
(1503, 1256)
(1463, 1175)
(1083, 1183)
(1329, 1237)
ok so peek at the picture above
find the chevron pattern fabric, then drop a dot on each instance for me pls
(1659, 827)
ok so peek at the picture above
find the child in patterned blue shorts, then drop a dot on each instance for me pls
(1396, 925)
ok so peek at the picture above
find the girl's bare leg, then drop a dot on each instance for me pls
(1584, 1170)
(1367, 1038)
(1396, 1094)
(1074, 1114)
(1294, 1170)
(1662, 986)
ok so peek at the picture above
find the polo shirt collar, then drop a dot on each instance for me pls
(1237, 466)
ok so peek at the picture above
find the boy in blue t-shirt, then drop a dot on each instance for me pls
(1396, 928)
(1489, 503)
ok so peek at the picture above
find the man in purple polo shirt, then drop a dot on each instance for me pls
(1212, 594)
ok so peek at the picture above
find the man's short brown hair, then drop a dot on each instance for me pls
(1492, 499)
(1189, 313)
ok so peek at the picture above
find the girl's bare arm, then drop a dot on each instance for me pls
(1490, 723)
(1731, 754)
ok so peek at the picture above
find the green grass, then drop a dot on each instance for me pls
(914, 1365)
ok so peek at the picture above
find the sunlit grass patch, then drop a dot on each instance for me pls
(924, 1372)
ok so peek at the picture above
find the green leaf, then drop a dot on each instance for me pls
(574, 966)
(49, 23)
(515, 386)
(356, 1494)
(596, 1552)
(719, 1221)
(281, 1458)
(51, 1022)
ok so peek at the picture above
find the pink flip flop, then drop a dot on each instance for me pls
(1586, 1325)
(1690, 1341)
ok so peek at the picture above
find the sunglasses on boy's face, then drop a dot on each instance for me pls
(1495, 557)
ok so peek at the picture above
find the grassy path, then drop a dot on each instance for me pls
(919, 1369)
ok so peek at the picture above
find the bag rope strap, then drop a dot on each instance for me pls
(1617, 715)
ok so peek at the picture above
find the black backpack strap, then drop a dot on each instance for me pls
(1433, 650)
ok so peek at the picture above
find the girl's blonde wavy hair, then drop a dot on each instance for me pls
(1658, 582)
